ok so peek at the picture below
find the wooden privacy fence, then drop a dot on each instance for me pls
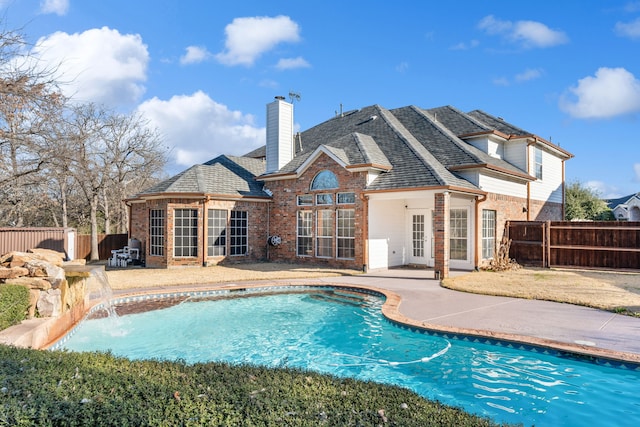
(601, 244)
(106, 243)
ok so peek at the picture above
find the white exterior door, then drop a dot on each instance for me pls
(419, 237)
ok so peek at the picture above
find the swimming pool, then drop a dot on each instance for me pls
(342, 332)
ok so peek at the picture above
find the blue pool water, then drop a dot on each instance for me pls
(345, 334)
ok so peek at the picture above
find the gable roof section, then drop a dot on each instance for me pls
(353, 150)
(222, 176)
(451, 151)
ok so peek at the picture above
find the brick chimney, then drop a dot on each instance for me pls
(279, 134)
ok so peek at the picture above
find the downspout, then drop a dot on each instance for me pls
(476, 256)
(203, 246)
(365, 232)
(528, 207)
(268, 230)
(563, 191)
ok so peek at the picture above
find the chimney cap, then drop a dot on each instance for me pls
(280, 98)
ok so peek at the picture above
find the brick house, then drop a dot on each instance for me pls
(371, 189)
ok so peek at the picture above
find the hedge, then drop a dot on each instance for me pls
(14, 303)
(56, 388)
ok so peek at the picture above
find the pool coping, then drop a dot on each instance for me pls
(391, 310)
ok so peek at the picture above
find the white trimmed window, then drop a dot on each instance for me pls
(156, 232)
(216, 232)
(538, 159)
(305, 200)
(346, 198)
(324, 199)
(238, 233)
(488, 233)
(458, 234)
(305, 237)
(346, 233)
(324, 233)
(185, 241)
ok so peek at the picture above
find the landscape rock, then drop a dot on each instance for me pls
(41, 268)
(30, 282)
(11, 273)
(49, 303)
(49, 255)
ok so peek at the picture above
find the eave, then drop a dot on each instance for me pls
(196, 196)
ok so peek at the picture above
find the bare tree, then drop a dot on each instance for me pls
(30, 102)
(107, 155)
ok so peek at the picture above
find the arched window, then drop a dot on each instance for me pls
(324, 181)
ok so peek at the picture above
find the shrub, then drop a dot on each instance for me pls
(14, 303)
(52, 388)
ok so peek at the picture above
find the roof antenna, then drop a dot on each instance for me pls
(294, 96)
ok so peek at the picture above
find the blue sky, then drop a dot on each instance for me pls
(203, 71)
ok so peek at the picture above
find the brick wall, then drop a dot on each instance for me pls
(283, 218)
(441, 226)
(257, 214)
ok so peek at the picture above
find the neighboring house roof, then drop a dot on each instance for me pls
(613, 203)
(222, 176)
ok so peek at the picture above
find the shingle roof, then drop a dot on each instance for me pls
(416, 148)
(496, 123)
(442, 141)
(612, 203)
(352, 149)
(223, 175)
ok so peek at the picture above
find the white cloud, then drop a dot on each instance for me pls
(98, 65)
(290, 63)
(630, 29)
(195, 55)
(528, 34)
(465, 46)
(59, 7)
(199, 129)
(501, 81)
(529, 74)
(248, 38)
(402, 67)
(525, 76)
(611, 92)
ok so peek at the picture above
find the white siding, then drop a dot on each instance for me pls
(549, 188)
(479, 143)
(496, 185)
(279, 149)
(470, 175)
(495, 149)
(515, 152)
(386, 233)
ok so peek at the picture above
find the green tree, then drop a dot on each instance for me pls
(583, 203)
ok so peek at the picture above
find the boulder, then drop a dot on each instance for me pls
(16, 259)
(41, 268)
(49, 255)
(30, 282)
(11, 273)
(49, 303)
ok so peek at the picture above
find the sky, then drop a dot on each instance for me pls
(202, 72)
